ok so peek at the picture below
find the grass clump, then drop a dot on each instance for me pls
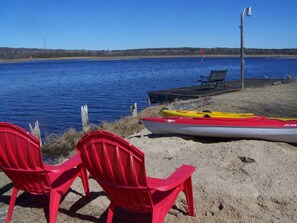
(57, 146)
(130, 125)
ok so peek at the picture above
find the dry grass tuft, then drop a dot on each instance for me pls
(123, 127)
(152, 111)
(128, 125)
(57, 146)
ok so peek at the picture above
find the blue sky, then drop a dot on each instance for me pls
(132, 24)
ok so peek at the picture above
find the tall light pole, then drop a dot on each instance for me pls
(248, 12)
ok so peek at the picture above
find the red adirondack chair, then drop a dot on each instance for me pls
(21, 161)
(119, 168)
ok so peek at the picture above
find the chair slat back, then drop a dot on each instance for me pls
(118, 167)
(217, 75)
(21, 160)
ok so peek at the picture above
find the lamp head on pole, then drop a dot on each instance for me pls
(248, 11)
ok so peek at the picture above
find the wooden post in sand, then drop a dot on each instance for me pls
(85, 118)
(36, 131)
(133, 110)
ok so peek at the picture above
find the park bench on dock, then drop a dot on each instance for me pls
(216, 77)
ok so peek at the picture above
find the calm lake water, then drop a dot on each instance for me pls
(53, 91)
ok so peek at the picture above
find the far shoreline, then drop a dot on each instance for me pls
(143, 57)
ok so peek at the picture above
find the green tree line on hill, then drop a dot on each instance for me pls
(23, 53)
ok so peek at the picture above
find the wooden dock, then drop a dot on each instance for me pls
(192, 92)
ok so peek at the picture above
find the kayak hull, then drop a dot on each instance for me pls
(273, 130)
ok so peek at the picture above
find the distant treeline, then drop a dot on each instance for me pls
(22, 53)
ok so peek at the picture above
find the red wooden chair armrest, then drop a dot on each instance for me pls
(67, 165)
(176, 178)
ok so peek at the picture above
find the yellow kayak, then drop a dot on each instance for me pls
(283, 119)
(213, 114)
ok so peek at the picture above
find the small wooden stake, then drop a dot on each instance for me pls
(133, 110)
(36, 131)
(85, 118)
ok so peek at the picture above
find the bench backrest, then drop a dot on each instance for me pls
(217, 75)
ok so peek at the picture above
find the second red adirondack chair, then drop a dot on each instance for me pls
(119, 168)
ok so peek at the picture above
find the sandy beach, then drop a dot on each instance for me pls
(236, 180)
